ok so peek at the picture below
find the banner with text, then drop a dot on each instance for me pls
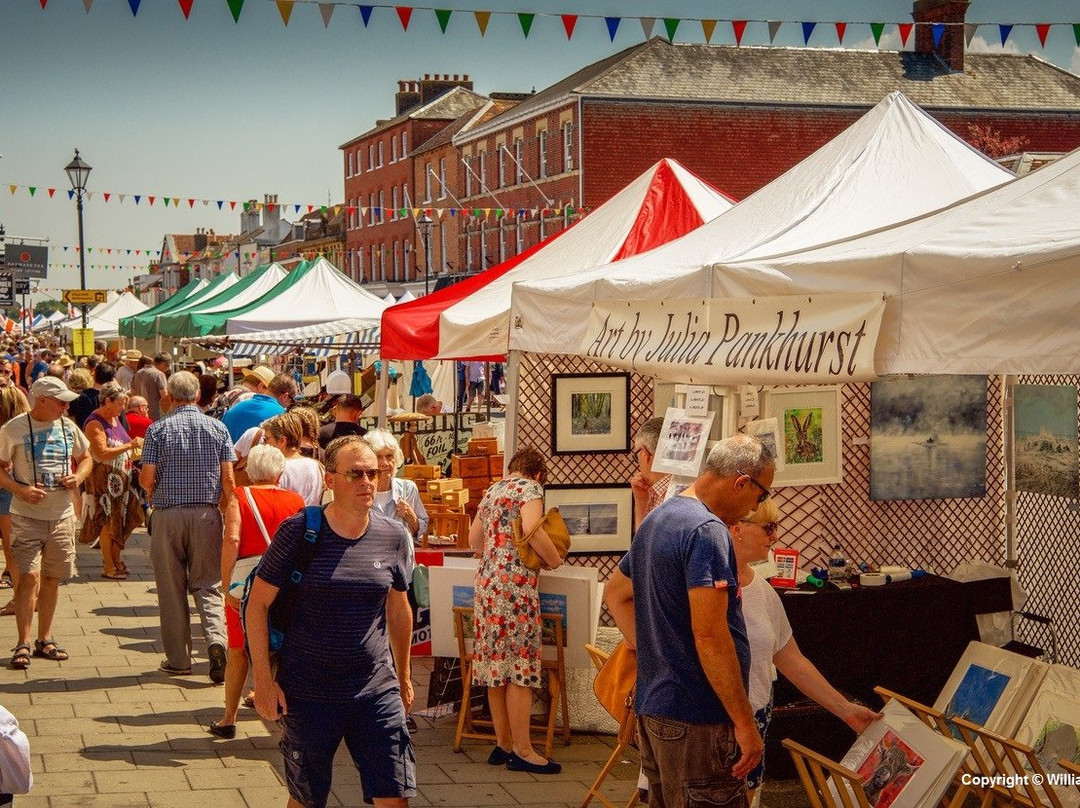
(795, 339)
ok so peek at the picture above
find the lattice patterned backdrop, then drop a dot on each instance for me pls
(1048, 547)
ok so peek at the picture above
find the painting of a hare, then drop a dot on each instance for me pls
(802, 436)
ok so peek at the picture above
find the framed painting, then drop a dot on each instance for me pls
(767, 430)
(1045, 440)
(721, 401)
(683, 442)
(590, 413)
(809, 431)
(599, 517)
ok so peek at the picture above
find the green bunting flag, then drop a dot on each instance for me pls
(876, 28)
(526, 21)
(671, 24)
(443, 16)
(235, 6)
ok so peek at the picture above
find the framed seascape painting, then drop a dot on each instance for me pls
(928, 437)
(809, 432)
(1045, 440)
(590, 413)
(598, 517)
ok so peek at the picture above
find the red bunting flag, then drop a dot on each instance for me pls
(841, 27)
(52, 191)
(191, 203)
(106, 194)
(232, 206)
(905, 31)
(185, 6)
(43, 4)
(404, 14)
(738, 27)
(568, 23)
(1042, 29)
(151, 200)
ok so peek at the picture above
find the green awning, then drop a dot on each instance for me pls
(128, 323)
(144, 326)
(186, 321)
(213, 323)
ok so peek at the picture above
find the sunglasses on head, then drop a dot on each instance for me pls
(355, 475)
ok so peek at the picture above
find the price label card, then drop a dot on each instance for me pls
(749, 404)
(697, 400)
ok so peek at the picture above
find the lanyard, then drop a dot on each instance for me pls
(33, 459)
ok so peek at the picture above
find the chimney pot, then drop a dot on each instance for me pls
(456, 76)
(427, 77)
(401, 86)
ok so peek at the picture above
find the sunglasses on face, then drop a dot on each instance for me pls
(769, 527)
(355, 475)
(765, 492)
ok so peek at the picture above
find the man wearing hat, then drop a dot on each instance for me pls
(281, 391)
(129, 363)
(347, 408)
(40, 447)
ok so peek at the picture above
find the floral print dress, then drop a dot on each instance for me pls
(506, 646)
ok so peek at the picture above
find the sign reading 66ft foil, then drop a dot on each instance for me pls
(27, 260)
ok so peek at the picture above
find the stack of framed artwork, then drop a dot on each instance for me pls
(1052, 727)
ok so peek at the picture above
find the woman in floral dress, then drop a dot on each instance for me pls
(111, 509)
(506, 648)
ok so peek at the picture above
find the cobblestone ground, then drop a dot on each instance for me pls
(107, 729)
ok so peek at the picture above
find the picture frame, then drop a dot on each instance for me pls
(599, 518)
(810, 434)
(767, 430)
(590, 413)
(722, 401)
(683, 441)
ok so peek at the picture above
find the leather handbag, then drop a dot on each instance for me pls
(614, 683)
(556, 530)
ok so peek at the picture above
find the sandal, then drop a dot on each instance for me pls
(119, 575)
(21, 659)
(48, 649)
(5, 580)
(8, 608)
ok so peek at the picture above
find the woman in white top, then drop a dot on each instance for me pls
(304, 475)
(396, 497)
(771, 643)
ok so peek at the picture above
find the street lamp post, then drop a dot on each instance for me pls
(424, 224)
(78, 172)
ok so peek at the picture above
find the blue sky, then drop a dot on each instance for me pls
(210, 109)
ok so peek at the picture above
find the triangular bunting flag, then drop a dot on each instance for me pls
(106, 194)
(87, 4)
(296, 209)
(166, 200)
(671, 24)
(365, 14)
(176, 202)
(526, 21)
(415, 213)
(841, 27)
(151, 199)
(89, 195)
(137, 198)
(774, 29)
(443, 16)
(905, 31)
(43, 4)
(121, 197)
(969, 32)
(71, 194)
(191, 203)
(612, 29)
(482, 20)
(284, 8)
(312, 207)
(876, 28)
(134, 4)
(404, 13)
(807, 30)
(185, 7)
(938, 30)
(1076, 33)
(738, 28)
(1004, 30)
(235, 6)
(1042, 29)
(326, 11)
(232, 205)
(707, 28)
(32, 189)
(568, 23)
(13, 187)
(647, 24)
(220, 204)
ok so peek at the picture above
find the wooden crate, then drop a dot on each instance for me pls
(483, 446)
(469, 466)
(416, 472)
(438, 488)
(456, 499)
(495, 466)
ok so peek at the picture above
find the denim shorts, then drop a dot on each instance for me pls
(5, 501)
(373, 728)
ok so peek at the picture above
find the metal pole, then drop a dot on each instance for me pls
(427, 257)
(82, 250)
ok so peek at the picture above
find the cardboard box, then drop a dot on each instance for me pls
(483, 446)
(439, 488)
(456, 499)
(468, 466)
(415, 472)
(495, 465)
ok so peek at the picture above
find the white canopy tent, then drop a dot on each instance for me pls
(105, 318)
(893, 164)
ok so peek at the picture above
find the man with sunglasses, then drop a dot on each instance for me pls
(343, 670)
(666, 596)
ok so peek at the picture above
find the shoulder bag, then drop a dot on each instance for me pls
(556, 530)
(243, 566)
(614, 684)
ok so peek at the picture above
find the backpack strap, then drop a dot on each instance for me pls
(282, 608)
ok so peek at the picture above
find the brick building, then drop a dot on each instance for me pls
(380, 177)
(319, 233)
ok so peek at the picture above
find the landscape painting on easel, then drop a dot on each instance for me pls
(928, 437)
(1044, 428)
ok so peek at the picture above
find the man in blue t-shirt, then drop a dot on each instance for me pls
(240, 417)
(666, 596)
(344, 666)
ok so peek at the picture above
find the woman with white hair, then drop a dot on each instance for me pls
(250, 523)
(394, 496)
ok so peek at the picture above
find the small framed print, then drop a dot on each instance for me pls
(810, 437)
(590, 413)
(721, 402)
(767, 430)
(599, 517)
(682, 444)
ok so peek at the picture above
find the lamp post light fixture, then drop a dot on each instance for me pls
(424, 225)
(78, 172)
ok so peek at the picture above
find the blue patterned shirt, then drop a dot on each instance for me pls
(187, 448)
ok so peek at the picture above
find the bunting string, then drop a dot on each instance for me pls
(404, 15)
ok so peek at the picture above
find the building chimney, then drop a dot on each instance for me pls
(951, 13)
(408, 97)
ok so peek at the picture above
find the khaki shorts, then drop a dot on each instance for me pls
(45, 547)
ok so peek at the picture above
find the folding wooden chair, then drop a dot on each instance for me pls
(1018, 776)
(817, 772)
(468, 724)
(1072, 769)
(625, 738)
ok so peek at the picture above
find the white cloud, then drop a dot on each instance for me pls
(979, 44)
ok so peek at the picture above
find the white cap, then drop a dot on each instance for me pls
(338, 383)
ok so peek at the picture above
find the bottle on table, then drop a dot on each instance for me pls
(837, 564)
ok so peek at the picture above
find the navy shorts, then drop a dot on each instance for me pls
(373, 728)
(5, 506)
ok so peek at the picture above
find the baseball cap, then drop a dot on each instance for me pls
(52, 387)
(338, 383)
(262, 373)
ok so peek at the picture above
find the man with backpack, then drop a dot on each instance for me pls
(344, 663)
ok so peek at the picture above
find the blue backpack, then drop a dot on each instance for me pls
(281, 610)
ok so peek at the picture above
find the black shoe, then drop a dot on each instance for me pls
(165, 667)
(410, 724)
(643, 796)
(226, 731)
(499, 757)
(219, 658)
(516, 764)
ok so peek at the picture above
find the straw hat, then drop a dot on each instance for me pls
(261, 373)
(130, 355)
(65, 361)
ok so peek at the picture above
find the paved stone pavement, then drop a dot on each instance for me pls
(107, 729)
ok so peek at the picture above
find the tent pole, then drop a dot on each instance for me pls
(381, 387)
(487, 389)
(229, 356)
(1007, 426)
(513, 369)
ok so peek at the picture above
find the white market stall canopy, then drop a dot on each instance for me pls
(893, 164)
(105, 320)
(322, 295)
(322, 339)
